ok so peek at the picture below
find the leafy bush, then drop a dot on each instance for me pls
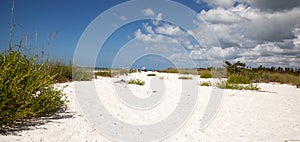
(136, 81)
(25, 89)
(185, 77)
(103, 73)
(151, 74)
(206, 83)
(237, 79)
(206, 75)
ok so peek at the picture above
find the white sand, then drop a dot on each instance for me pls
(271, 114)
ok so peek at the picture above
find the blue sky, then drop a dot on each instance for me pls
(256, 32)
(45, 17)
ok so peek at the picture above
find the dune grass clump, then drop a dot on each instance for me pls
(297, 82)
(238, 79)
(237, 82)
(279, 77)
(103, 73)
(206, 75)
(136, 81)
(132, 71)
(59, 71)
(25, 89)
(82, 74)
(151, 74)
(185, 77)
(207, 83)
(169, 70)
(227, 85)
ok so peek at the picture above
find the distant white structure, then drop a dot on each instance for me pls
(144, 68)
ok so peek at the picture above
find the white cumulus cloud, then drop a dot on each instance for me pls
(168, 29)
(148, 12)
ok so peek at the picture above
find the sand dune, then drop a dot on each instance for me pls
(271, 114)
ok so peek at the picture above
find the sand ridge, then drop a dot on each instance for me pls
(271, 114)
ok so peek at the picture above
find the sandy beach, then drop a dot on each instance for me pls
(270, 114)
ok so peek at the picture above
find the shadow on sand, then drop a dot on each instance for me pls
(63, 113)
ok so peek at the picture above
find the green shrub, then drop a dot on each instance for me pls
(206, 75)
(223, 85)
(206, 83)
(151, 74)
(297, 82)
(59, 70)
(103, 73)
(132, 71)
(266, 76)
(169, 70)
(251, 86)
(237, 79)
(280, 78)
(227, 85)
(185, 77)
(136, 81)
(82, 74)
(25, 89)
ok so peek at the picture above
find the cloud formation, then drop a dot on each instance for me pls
(148, 12)
(124, 18)
(148, 37)
(254, 31)
(264, 5)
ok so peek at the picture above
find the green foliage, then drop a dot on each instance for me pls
(136, 81)
(185, 77)
(132, 71)
(235, 68)
(264, 74)
(151, 74)
(25, 89)
(185, 72)
(59, 71)
(103, 73)
(251, 86)
(298, 84)
(227, 85)
(223, 85)
(206, 75)
(215, 72)
(82, 74)
(237, 79)
(169, 70)
(277, 77)
(208, 83)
